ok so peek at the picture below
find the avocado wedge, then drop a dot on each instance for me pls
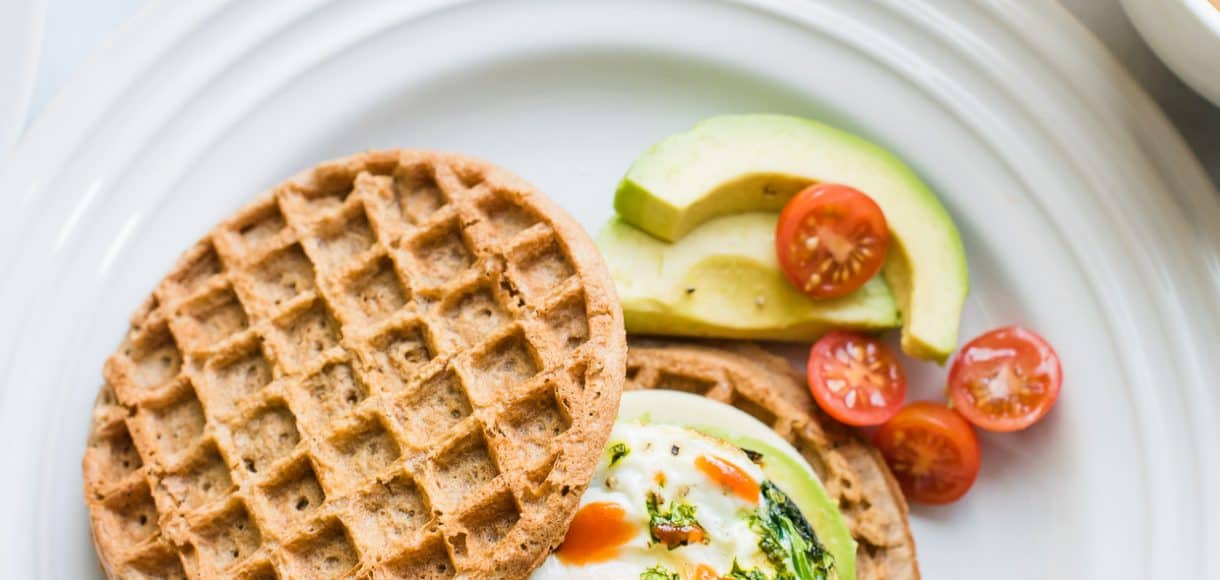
(732, 164)
(723, 280)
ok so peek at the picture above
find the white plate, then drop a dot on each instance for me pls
(1084, 215)
(20, 43)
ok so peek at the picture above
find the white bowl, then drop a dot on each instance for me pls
(1186, 35)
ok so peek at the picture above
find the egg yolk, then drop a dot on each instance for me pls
(702, 572)
(595, 535)
(729, 477)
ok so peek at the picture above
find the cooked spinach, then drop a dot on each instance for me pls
(788, 540)
(618, 451)
(675, 527)
(659, 572)
(739, 573)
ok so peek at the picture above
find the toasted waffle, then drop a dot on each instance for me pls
(765, 386)
(398, 364)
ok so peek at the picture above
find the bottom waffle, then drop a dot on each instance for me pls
(766, 386)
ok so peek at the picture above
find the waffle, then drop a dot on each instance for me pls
(398, 364)
(765, 386)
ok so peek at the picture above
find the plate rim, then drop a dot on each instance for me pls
(20, 173)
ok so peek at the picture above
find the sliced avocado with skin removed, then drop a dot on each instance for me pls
(781, 463)
(731, 164)
(723, 280)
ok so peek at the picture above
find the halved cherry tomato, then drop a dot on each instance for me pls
(831, 239)
(1005, 380)
(932, 451)
(856, 378)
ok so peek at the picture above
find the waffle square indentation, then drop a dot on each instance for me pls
(215, 317)
(177, 424)
(569, 322)
(295, 493)
(341, 242)
(269, 434)
(465, 467)
(333, 391)
(504, 218)
(203, 479)
(283, 275)
(366, 449)
(532, 425)
(392, 511)
(440, 254)
(260, 224)
(474, 314)
(428, 561)
(377, 293)
(417, 194)
(491, 522)
(306, 336)
(131, 515)
(437, 406)
(229, 538)
(115, 456)
(545, 271)
(238, 376)
(504, 364)
(326, 554)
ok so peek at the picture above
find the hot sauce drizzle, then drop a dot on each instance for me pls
(595, 535)
(729, 476)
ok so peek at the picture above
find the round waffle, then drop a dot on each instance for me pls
(765, 386)
(398, 364)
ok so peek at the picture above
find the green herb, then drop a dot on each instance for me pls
(659, 572)
(618, 451)
(675, 527)
(739, 573)
(787, 540)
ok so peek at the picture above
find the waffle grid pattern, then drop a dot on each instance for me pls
(388, 367)
(765, 386)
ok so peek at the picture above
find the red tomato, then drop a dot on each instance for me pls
(831, 239)
(1005, 380)
(932, 451)
(856, 378)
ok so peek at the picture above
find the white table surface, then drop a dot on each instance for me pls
(75, 29)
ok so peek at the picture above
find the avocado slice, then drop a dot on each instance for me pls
(723, 280)
(731, 164)
(782, 464)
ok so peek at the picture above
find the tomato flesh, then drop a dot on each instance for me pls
(1006, 379)
(831, 239)
(932, 451)
(856, 378)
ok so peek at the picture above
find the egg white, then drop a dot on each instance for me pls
(671, 450)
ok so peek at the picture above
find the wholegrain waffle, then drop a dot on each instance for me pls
(398, 364)
(765, 386)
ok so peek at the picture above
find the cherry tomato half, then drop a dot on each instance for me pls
(1005, 380)
(856, 378)
(831, 239)
(933, 452)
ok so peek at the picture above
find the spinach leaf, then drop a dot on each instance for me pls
(788, 540)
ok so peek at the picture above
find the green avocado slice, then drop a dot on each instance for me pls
(730, 164)
(782, 464)
(723, 280)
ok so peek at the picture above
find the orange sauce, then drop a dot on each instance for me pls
(729, 476)
(595, 535)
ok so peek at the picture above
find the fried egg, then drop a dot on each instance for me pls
(665, 500)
